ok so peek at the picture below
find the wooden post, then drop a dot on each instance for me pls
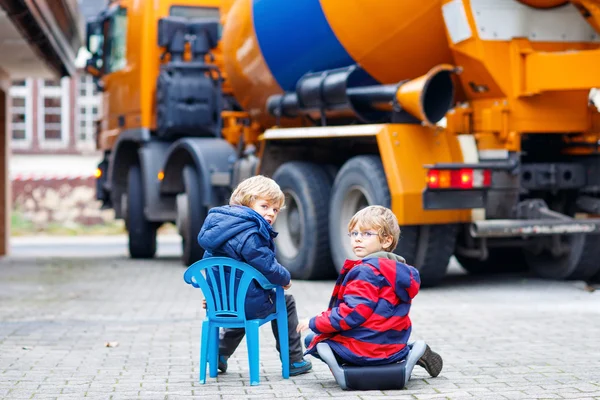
(5, 198)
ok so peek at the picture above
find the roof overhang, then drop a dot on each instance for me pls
(40, 37)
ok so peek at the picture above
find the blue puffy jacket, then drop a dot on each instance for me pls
(243, 234)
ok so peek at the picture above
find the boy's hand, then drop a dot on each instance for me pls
(302, 325)
(204, 303)
(289, 285)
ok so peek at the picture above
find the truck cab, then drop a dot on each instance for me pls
(156, 65)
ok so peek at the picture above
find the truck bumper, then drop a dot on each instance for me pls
(454, 199)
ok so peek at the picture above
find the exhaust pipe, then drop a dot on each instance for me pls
(500, 228)
(348, 93)
(430, 96)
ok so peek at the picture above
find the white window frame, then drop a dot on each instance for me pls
(26, 93)
(61, 92)
(88, 102)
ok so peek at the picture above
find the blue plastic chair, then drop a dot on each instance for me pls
(225, 308)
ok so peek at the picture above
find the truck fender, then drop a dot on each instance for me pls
(157, 208)
(124, 155)
(213, 159)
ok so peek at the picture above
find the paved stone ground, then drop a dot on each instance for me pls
(508, 337)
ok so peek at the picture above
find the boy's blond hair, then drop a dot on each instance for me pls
(257, 187)
(378, 218)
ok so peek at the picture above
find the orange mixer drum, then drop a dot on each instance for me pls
(269, 44)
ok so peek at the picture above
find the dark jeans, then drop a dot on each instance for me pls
(230, 338)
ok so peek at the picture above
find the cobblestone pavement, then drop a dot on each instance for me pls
(506, 337)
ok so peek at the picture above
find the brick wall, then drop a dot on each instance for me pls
(67, 201)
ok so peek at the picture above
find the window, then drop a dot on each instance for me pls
(51, 83)
(19, 134)
(52, 102)
(89, 105)
(95, 43)
(196, 13)
(117, 41)
(82, 85)
(52, 122)
(20, 111)
(95, 37)
(18, 102)
(53, 113)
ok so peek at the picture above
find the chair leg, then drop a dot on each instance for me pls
(213, 354)
(204, 346)
(284, 345)
(252, 341)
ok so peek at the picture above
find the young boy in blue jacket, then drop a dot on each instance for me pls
(242, 231)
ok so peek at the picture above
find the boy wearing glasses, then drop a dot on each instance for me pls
(367, 321)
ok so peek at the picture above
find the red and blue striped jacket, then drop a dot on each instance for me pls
(367, 321)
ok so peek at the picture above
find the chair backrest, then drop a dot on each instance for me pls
(216, 277)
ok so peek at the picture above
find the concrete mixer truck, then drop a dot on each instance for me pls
(471, 119)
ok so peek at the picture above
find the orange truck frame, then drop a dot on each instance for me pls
(485, 144)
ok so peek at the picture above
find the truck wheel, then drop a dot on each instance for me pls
(594, 255)
(361, 182)
(428, 248)
(588, 267)
(302, 242)
(578, 262)
(142, 233)
(190, 217)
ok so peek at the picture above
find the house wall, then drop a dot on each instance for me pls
(52, 127)
(4, 188)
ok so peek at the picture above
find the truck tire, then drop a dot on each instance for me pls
(361, 182)
(302, 242)
(588, 268)
(428, 248)
(142, 233)
(579, 263)
(191, 215)
(592, 255)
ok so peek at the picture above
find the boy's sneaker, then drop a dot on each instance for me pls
(431, 361)
(222, 365)
(300, 367)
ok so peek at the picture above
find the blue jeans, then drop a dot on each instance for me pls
(309, 339)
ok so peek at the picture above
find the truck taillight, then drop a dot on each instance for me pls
(464, 178)
(487, 178)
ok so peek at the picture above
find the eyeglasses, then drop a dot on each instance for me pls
(368, 234)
